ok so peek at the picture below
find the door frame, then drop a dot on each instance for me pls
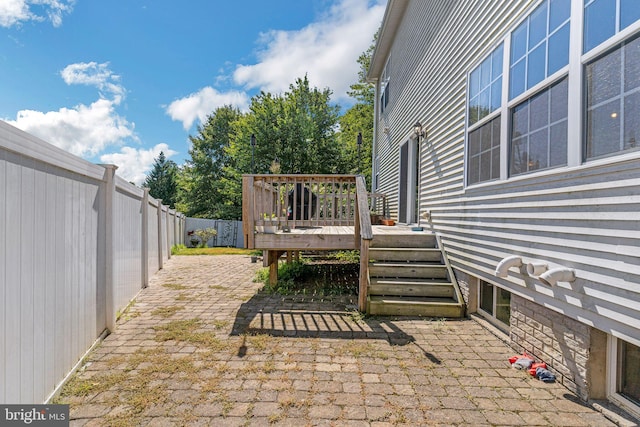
(408, 173)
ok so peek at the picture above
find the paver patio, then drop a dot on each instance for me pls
(200, 347)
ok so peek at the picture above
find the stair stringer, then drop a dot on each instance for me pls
(452, 277)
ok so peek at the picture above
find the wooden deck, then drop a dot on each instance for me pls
(321, 238)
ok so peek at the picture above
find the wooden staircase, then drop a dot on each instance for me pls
(409, 275)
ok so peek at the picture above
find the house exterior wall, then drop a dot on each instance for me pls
(582, 216)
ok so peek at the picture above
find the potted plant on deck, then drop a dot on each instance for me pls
(270, 224)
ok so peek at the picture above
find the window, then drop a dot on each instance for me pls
(539, 131)
(624, 374)
(384, 87)
(605, 18)
(483, 141)
(495, 302)
(612, 88)
(485, 87)
(539, 46)
(484, 153)
(628, 381)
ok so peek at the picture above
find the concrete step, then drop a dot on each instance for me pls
(412, 287)
(405, 254)
(404, 240)
(408, 270)
(414, 306)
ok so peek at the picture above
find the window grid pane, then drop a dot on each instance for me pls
(484, 153)
(539, 46)
(539, 131)
(605, 18)
(486, 297)
(485, 87)
(612, 96)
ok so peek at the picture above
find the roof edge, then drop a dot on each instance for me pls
(390, 24)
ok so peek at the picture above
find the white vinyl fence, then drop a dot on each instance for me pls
(77, 243)
(229, 232)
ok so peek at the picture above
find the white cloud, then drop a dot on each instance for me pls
(325, 50)
(133, 164)
(94, 74)
(14, 12)
(202, 103)
(82, 130)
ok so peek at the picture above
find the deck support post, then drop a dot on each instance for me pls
(272, 262)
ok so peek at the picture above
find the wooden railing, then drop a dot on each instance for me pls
(366, 235)
(299, 200)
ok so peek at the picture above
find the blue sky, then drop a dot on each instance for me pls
(118, 81)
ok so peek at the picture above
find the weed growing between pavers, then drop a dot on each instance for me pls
(187, 331)
(360, 348)
(175, 286)
(127, 314)
(166, 312)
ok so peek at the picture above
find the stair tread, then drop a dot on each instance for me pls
(404, 249)
(413, 300)
(410, 281)
(407, 264)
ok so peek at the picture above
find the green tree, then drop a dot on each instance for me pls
(201, 180)
(161, 180)
(359, 120)
(296, 129)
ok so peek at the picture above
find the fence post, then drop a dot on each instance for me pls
(145, 238)
(166, 235)
(159, 234)
(109, 214)
(175, 227)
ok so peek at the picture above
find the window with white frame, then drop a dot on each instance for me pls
(485, 87)
(539, 131)
(539, 46)
(538, 75)
(612, 88)
(605, 18)
(624, 374)
(494, 302)
(483, 140)
(384, 87)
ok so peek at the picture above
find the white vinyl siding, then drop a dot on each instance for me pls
(581, 216)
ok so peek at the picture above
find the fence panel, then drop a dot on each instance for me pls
(128, 236)
(48, 265)
(229, 231)
(71, 255)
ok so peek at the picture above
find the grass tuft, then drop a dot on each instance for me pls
(166, 312)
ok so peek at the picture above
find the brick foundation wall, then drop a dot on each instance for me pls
(559, 341)
(468, 288)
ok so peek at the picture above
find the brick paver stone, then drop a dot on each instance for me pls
(202, 346)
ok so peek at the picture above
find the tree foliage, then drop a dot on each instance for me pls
(162, 180)
(201, 194)
(299, 131)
